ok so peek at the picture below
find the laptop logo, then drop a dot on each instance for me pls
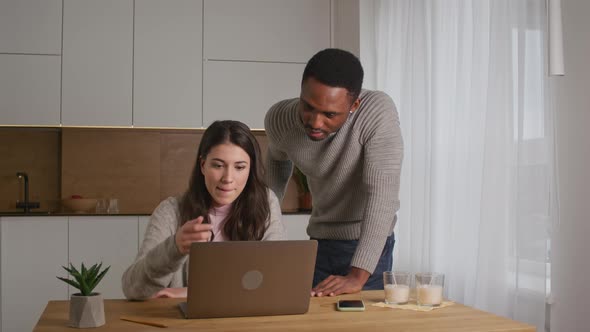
(252, 279)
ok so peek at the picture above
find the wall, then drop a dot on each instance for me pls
(345, 26)
(571, 245)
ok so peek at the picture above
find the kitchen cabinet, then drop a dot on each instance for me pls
(30, 26)
(244, 91)
(255, 52)
(167, 80)
(111, 240)
(29, 89)
(266, 30)
(33, 251)
(97, 62)
(296, 226)
(150, 63)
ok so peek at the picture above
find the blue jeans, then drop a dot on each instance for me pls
(334, 257)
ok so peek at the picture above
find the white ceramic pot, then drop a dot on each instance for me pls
(86, 311)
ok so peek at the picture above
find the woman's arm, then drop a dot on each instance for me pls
(159, 263)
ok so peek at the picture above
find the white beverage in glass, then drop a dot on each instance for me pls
(396, 286)
(429, 295)
(429, 288)
(397, 294)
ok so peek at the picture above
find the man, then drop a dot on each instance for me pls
(348, 143)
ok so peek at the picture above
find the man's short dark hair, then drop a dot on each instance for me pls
(336, 68)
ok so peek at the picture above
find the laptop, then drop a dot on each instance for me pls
(249, 278)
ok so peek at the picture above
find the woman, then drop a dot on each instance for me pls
(227, 200)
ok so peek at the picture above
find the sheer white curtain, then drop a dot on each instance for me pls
(477, 196)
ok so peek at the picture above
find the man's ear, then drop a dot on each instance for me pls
(355, 105)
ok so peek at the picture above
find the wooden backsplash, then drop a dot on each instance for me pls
(36, 152)
(112, 163)
(139, 167)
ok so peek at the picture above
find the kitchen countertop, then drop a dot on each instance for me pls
(15, 213)
(63, 214)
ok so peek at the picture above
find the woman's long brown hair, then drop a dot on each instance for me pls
(250, 211)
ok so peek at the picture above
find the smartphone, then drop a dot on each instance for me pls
(350, 305)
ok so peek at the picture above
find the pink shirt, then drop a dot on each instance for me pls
(217, 217)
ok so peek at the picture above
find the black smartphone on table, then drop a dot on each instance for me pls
(350, 305)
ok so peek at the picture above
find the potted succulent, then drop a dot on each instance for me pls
(86, 307)
(303, 188)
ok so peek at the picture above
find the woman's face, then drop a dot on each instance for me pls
(226, 169)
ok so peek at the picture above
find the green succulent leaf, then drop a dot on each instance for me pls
(85, 279)
(71, 282)
(99, 278)
(92, 272)
(74, 269)
(84, 287)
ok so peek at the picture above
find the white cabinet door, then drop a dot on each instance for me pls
(245, 91)
(97, 62)
(167, 76)
(296, 226)
(30, 26)
(110, 240)
(29, 89)
(266, 30)
(33, 251)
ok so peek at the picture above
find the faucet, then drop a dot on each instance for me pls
(26, 205)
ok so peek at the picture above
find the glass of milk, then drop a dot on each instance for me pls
(396, 286)
(429, 288)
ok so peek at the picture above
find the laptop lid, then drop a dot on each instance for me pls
(250, 278)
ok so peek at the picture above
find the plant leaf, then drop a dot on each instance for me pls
(86, 279)
(93, 272)
(71, 282)
(79, 278)
(92, 276)
(84, 287)
(99, 277)
(75, 272)
(73, 269)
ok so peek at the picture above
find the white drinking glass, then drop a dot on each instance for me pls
(396, 286)
(429, 288)
(113, 206)
(102, 205)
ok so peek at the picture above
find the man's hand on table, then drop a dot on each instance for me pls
(333, 285)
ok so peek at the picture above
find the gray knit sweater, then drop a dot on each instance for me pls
(159, 264)
(353, 175)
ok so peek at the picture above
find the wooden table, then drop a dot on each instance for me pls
(322, 316)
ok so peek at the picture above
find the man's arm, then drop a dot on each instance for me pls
(278, 165)
(381, 178)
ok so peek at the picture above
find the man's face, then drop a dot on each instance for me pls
(324, 109)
